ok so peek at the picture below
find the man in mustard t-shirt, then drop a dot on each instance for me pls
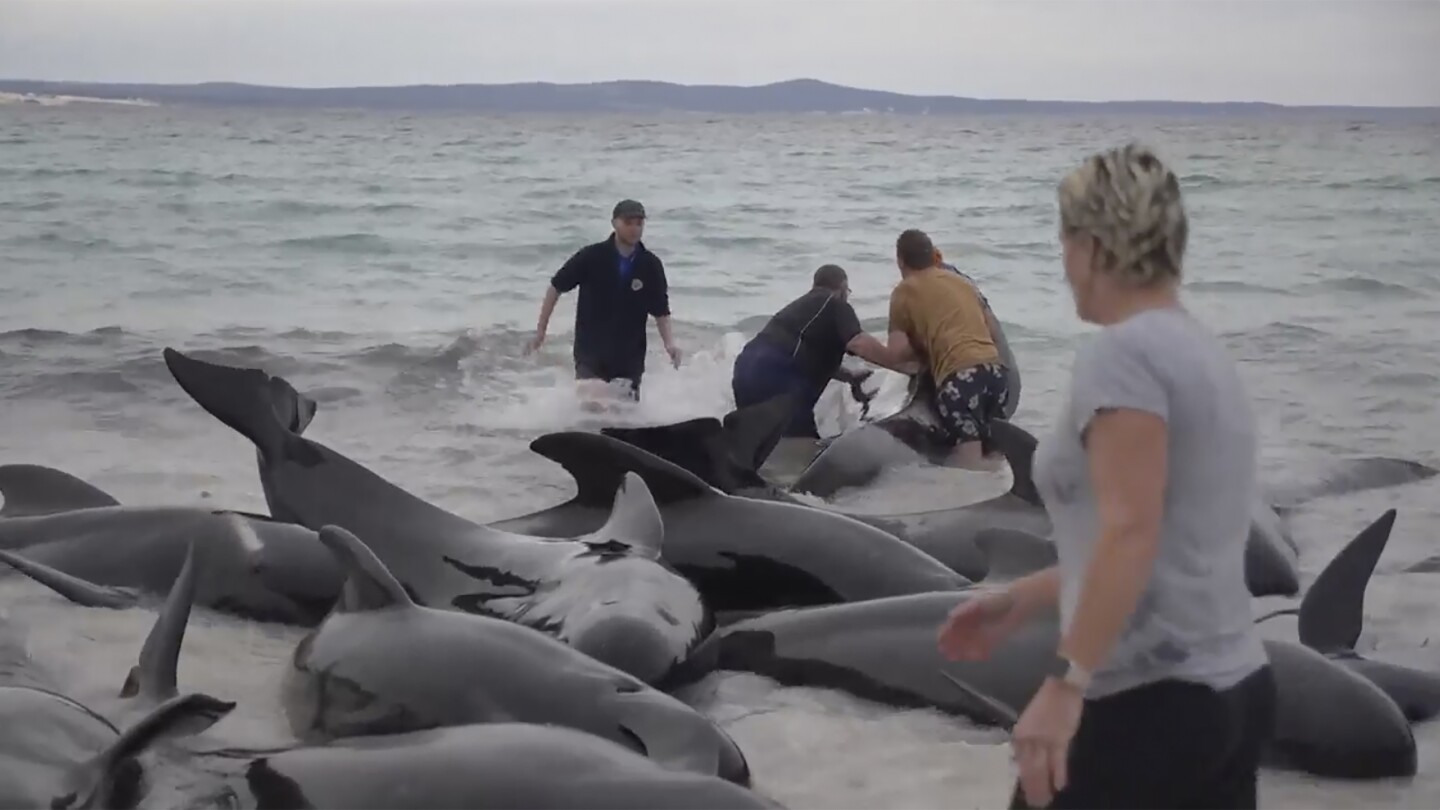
(939, 317)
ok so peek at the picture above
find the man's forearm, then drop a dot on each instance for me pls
(547, 308)
(867, 347)
(662, 325)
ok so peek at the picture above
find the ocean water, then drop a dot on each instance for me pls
(391, 266)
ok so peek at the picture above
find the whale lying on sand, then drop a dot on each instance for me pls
(912, 435)
(728, 454)
(1331, 617)
(382, 664)
(742, 553)
(494, 766)
(1331, 721)
(57, 752)
(255, 567)
(606, 592)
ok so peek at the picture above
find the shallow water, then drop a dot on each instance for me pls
(391, 267)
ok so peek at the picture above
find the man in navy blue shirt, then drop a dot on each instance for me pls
(621, 285)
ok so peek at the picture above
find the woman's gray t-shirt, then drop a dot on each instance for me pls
(1193, 622)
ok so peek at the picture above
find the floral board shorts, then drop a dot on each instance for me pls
(969, 399)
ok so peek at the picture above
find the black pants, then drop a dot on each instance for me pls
(764, 371)
(1169, 744)
(597, 370)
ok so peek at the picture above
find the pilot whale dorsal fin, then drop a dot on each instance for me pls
(31, 490)
(634, 519)
(693, 445)
(92, 783)
(725, 453)
(154, 676)
(598, 463)
(1332, 612)
(77, 590)
(369, 585)
(1018, 447)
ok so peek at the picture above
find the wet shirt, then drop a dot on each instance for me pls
(617, 296)
(814, 329)
(1193, 622)
(943, 316)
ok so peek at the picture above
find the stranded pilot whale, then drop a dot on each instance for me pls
(607, 592)
(1331, 616)
(1330, 721)
(492, 766)
(742, 553)
(912, 434)
(255, 567)
(382, 664)
(999, 533)
(58, 752)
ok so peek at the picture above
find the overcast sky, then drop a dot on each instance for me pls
(1369, 52)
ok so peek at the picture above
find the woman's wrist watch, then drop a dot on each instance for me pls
(1069, 672)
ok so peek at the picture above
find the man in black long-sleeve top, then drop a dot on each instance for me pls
(622, 284)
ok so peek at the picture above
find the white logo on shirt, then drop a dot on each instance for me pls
(636, 285)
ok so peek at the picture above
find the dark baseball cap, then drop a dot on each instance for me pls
(628, 208)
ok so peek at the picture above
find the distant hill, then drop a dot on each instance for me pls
(797, 96)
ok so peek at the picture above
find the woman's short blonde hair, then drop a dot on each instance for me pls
(1130, 203)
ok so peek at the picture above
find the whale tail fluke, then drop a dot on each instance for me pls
(264, 409)
(113, 777)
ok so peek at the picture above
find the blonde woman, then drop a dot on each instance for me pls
(1160, 694)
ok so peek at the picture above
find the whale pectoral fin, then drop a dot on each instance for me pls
(94, 783)
(369, 585)
(598, 463)
(634, 519)
(31, 490)
(679, 741)
(77, 590)
(1332, 612)
(1018, 447)
(752, 432)
(983, 708)
(154, 676)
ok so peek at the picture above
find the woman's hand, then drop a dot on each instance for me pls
(976, 625)
(1041, 740)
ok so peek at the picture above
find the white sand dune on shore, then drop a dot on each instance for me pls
(60, 101)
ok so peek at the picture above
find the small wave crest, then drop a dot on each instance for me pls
(1364, 285)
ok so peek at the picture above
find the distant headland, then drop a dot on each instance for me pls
(799, 96)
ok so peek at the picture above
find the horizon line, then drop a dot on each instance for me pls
(712, 85)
